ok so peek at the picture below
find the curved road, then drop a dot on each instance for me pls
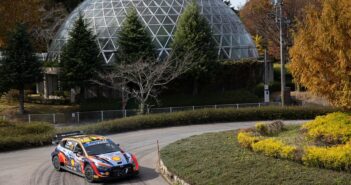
(33, 166)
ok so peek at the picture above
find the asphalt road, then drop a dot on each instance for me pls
(33, 166)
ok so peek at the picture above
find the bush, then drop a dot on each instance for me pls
(333, 128)
(337, 157)
(274, 148)
(269, 129)
(22, 135)
(202, 117)
(246, 139)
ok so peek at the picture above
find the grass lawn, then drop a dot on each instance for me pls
(12, 108)
(217, 158)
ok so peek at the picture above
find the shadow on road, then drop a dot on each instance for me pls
(144, 175)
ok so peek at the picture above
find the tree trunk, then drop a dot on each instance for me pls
(195, 87)
(21, 100)
(73, 95)
(142, 107)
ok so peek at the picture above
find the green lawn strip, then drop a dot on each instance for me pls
(217, 158)
(204, 116)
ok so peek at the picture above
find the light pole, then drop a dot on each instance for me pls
(279, 4)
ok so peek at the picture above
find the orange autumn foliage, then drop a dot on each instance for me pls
(321, 54)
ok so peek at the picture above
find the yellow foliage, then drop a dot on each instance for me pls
(275, 148)
(337, 157)
(246, 139)
(321, 54)
(333, 128)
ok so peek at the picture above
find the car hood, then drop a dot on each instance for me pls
(113, 159)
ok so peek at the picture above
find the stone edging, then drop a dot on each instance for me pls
(169, 176)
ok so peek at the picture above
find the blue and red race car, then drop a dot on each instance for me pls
(92, 156)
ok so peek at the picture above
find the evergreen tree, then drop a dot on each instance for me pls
(20, 66)
(134, 41)
(193, 39)
(80, 61)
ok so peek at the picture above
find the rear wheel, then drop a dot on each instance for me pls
(89, 173)
(56, 163)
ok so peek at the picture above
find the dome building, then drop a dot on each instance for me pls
(160, 18)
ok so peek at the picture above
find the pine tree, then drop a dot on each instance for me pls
(20, 66)
(134, 41)
(80, 61)
(194, 37)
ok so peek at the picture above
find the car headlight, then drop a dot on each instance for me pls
(102, 167)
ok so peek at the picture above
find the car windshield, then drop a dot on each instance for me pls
(101, 147)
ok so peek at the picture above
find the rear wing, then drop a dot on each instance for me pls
(60, 136)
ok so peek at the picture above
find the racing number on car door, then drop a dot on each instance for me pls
(70, 146)
(78, 157)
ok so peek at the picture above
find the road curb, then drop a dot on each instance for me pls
(169, 176)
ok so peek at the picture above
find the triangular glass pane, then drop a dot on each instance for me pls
(173, 18)
(217, 39)
(109, 46)
(154, 28)
(153, 9)
(108, 12)
(98, 13)
(170, 2)
(120, 20)
(152, 3)
(156, 43)
(107, 5)
(172, 12)
(147, 18)
(147, 12)
(226, 40)
(178, 9)
(165, 9)
(162, 31)
(160, 18)
(169, 28)
(159, 12)
(164, 3)
(167, 20)
(154, 21)
(163, 40)
(102, 42)
(103, 33)
(158, 1)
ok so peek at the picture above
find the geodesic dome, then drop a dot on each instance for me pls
(160, 18)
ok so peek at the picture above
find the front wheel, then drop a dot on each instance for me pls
(56, 163)
(89, 173)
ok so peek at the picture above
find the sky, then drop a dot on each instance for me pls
(237, 3)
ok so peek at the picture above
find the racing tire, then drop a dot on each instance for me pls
(56, 163)
(89, 173)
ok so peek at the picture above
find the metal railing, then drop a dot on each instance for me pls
(104, 115)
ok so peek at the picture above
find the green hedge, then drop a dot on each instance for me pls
(202, 117)
(22, 135)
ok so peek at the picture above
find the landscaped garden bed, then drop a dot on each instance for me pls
(268, 154)
(205, 116)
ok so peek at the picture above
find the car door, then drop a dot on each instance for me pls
(78, 156)
(69, 146)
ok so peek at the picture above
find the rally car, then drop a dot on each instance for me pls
(93, 157)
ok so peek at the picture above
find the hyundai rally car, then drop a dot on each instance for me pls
(94, 157)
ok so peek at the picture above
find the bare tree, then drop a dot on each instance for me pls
(144, 78)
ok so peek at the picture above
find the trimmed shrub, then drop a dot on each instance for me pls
(331, 129)
(22, 135)
(270, 128)
(275, 148)
(203, 116)
(246, 139)
(337, 157)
